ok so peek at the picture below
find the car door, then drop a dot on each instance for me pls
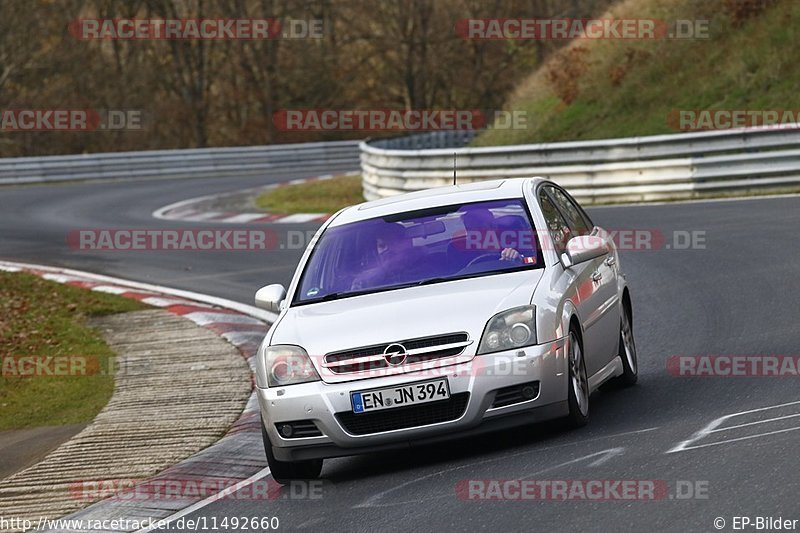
(600, 310)
(575, 282)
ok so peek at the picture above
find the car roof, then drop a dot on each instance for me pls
(453, 194)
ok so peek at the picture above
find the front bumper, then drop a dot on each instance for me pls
(480, 378)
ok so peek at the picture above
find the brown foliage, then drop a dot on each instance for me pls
(742, 10)
(374, 54)
(620, 71)
(564, 73)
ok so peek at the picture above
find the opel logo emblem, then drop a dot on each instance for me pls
(395, 354)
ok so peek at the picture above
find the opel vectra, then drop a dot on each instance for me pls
(441, 314)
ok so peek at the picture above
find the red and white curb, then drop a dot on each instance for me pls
(239, 454)
(192, 210)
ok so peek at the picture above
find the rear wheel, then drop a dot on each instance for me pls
(284, 472)
(578, 390)
(627, 351)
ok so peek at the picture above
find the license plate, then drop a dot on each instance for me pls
(400, 396)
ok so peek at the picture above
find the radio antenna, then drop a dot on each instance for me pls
(454, 168)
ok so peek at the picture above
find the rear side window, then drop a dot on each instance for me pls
(556, 225)
(577, 220)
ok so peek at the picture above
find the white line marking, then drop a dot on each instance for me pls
(60, 278)
(740, 438)
(726, 428)
(697, 435)
(300, 218)
(111, 289)
(370, 502)
(162, 523)
(206, 215)
(202, 318)
(714, 424)
(606, 455)
(162, 211)
(243, 217)
(157, 301)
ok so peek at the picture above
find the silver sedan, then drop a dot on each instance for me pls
(441, 314)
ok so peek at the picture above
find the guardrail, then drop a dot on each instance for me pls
(655, 167)
(192, 163)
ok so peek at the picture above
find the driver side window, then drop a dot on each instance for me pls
(556, 225)
(577, 222)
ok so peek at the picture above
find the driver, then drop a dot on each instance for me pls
(479, 224)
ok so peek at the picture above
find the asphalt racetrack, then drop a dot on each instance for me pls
(734, 293)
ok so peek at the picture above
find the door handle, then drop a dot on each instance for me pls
(597, 275)
(610, 261)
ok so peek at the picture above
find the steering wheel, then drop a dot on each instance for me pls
(482, 258)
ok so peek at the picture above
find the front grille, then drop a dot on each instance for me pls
(404, 417)
(516, 394)
(299, 429)
(426, 344)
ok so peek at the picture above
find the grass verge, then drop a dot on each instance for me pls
(595, 89)
(325, 196)
(56, 370)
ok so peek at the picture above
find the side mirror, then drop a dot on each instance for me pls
(271, 297)
(584, 248)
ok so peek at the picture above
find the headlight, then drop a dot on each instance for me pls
(510, 329)
(285, 364)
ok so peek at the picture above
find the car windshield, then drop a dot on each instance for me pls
(427, 246)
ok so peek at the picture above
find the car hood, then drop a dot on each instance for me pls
(391, 316)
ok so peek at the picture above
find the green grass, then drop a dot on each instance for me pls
(326, 196)
(747, 67)
(40, 319)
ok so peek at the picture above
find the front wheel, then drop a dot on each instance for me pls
(284, 472)
(578, 389)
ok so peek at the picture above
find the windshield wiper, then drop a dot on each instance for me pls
(431, 281)
(336, 295)
(331, 296)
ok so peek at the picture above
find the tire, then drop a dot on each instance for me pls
(578, 382)
(284, 472)
(627, 352)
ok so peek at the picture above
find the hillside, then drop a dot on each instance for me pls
(597, 89)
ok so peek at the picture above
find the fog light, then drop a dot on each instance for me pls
(286, 430)
(528, 392)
